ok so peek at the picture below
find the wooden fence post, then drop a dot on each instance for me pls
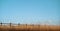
(18, 24)
(10, 24)
(1, 23)
(26, 25)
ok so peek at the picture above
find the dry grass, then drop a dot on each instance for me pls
(30, 28)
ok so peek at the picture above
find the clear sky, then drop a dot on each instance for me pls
(30, 11)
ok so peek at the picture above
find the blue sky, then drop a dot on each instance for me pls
(30, 11)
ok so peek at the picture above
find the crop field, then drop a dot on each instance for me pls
(30, 28)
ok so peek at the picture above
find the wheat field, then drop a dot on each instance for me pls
(30, 28)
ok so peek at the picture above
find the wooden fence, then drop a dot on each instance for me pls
(1, 24)
(10, 24)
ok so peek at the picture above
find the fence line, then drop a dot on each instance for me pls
(1, 24)
(10, 24)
